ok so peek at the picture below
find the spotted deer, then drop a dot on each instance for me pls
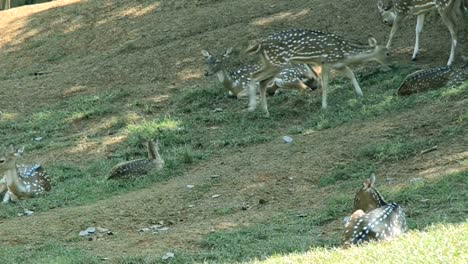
(434, 78)
(299, 77)
(373, 218)
(326, 51)
(21, 181)
(139, 166)
(393, 12)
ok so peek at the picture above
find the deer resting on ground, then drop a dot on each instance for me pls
(373, 218)
(21, 181)
(140, 166)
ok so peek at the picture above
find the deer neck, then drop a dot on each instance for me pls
(378, 198)
(153, 153)
(359, 54)
(224, 78)
(13, 181)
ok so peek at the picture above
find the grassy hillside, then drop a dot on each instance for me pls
(94, 79)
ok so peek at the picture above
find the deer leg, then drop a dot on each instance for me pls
(263, 90)
(350, 75)
(265, 73)
(324, 83)
(252, 95)
(451, 27)
(419, 28)
(6, 197)
(395, 27)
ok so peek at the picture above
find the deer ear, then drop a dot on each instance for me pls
(372, 180)
(11, 149)
(20, 151)
(380, 5)
(372, 42)
(205, 53)
(227, 52)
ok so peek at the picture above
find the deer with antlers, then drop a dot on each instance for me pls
(393, 12)
(21, 181)
(326, 51)
(373, 218)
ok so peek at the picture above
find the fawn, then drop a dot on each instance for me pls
(21, 181)
(373, 218)
(139, 166)
(301, 46)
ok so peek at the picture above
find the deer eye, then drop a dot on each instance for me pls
(2, 161)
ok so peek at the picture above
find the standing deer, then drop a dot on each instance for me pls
(373, 218)
(299, 77)
(139, 166)
(393, 12)
(434, 78)
(325, 50)
(21, 181)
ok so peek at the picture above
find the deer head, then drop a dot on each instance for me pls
(368, 198)
(214, 64)
(386, 11)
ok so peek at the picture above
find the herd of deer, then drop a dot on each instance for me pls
(292, 59)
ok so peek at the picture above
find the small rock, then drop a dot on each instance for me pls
(190, 186)
(245, 206)
(302, 215)
(38, 139)
(84, 233)
(215, 176)
(216, 196)
(91, 230)
(28, 213)
(262, 201)
(144, 230)
(168, 255)
(287, 139)
(217, 110)
(191, 206)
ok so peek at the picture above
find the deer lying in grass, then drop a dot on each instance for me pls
(21, 181)
(139, 166)
(393, 12)
(373, 218)
(434, 78)
(299, 77)
(325, 50)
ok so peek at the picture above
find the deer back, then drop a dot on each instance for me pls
(34, 178)
(430, 79)
(131, 168)
(291, 74)
(311, 47)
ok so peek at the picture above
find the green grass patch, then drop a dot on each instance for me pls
(45, 254)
